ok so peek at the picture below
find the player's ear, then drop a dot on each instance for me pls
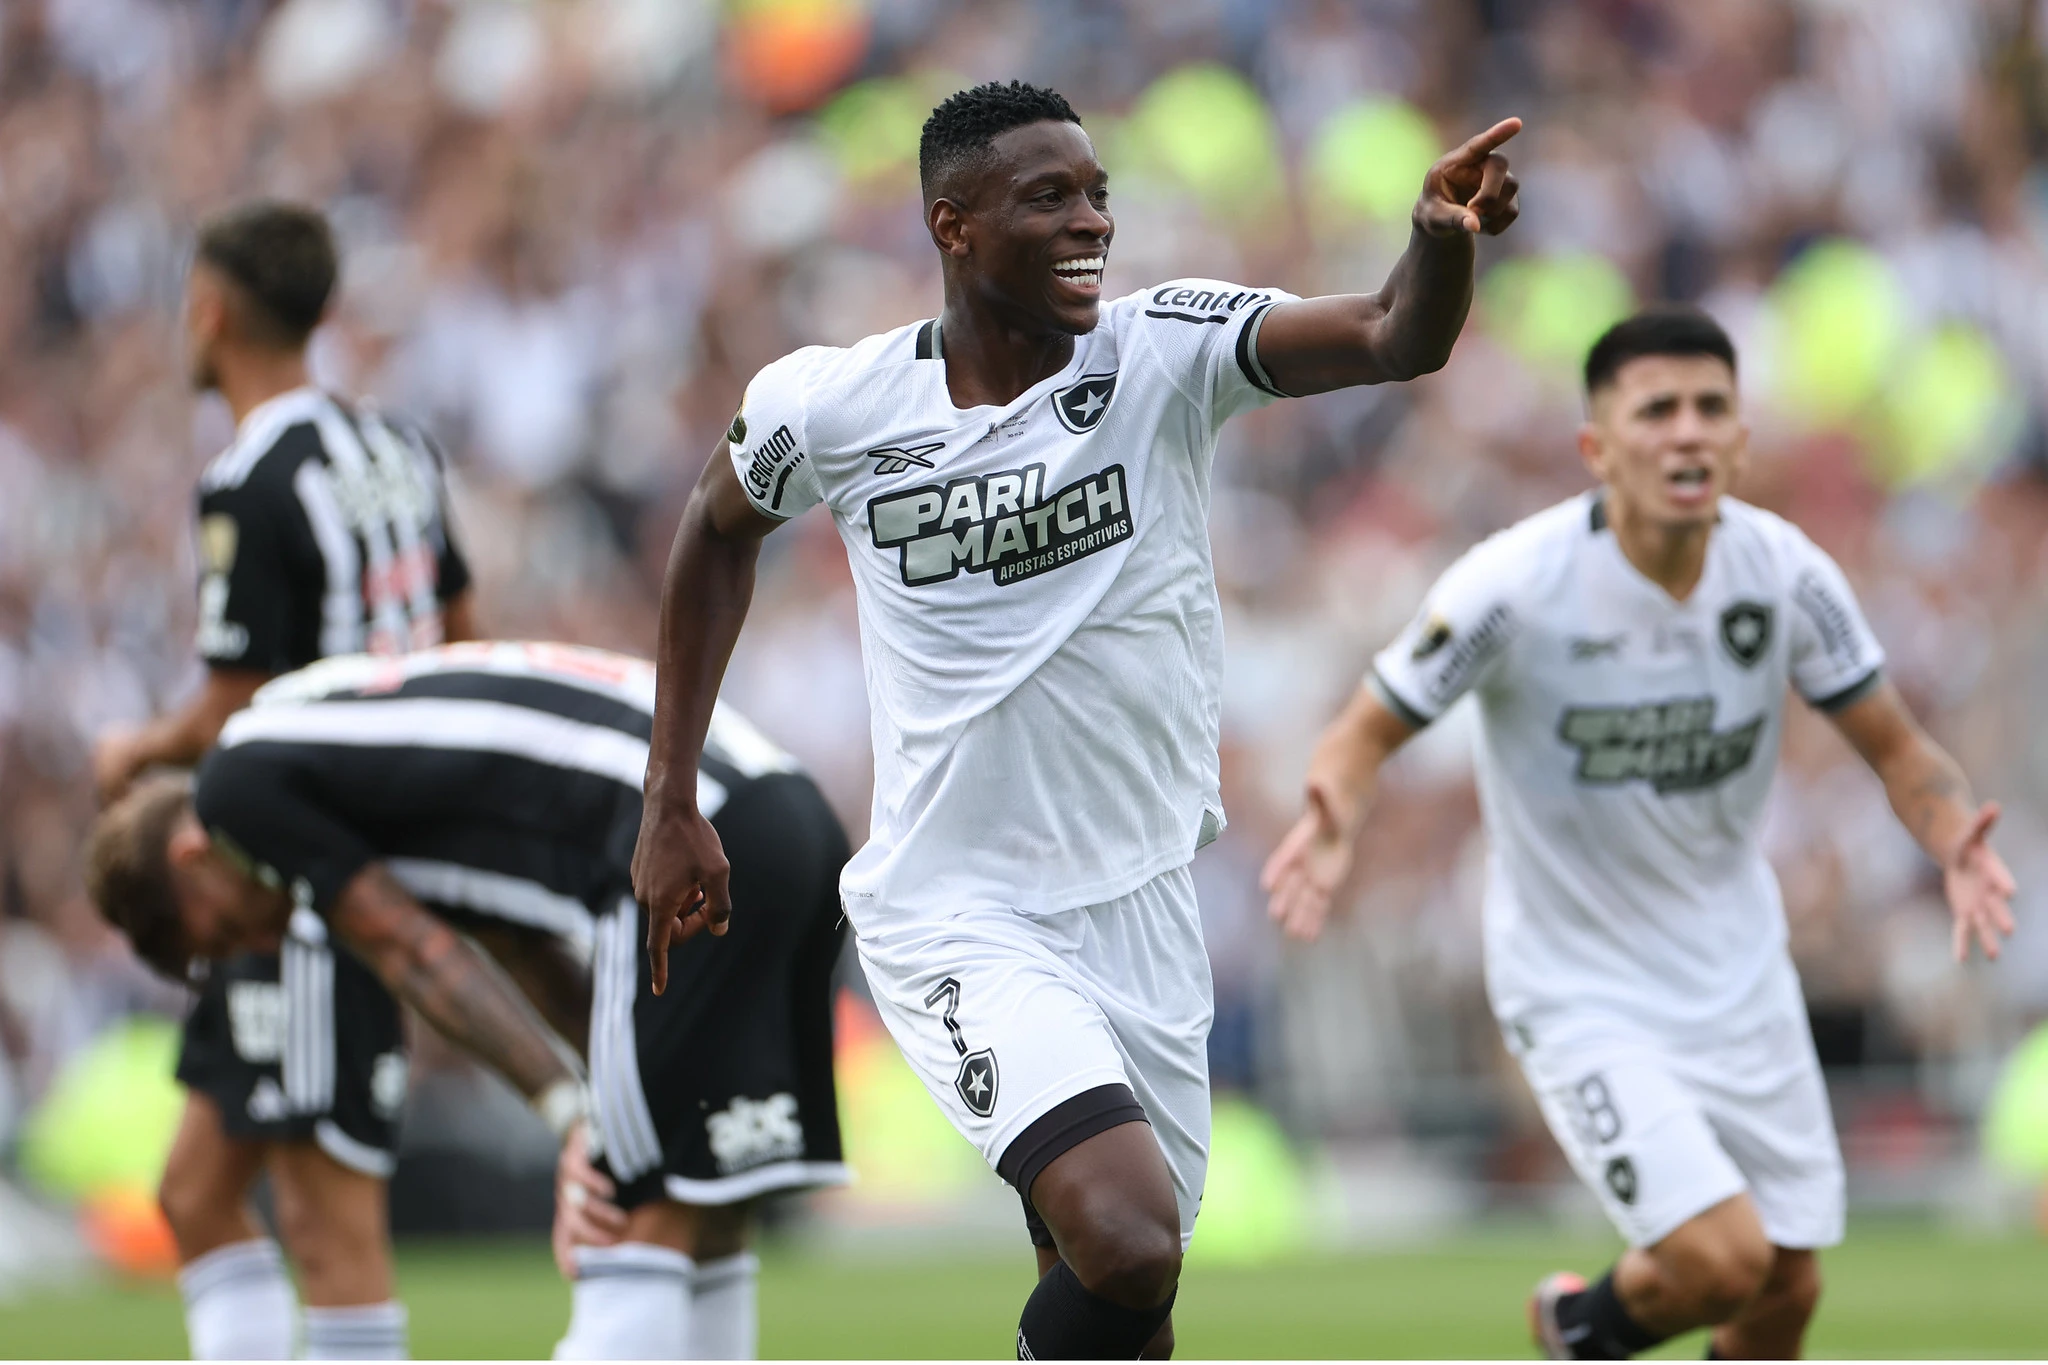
(1591, 449)
(948, 226)
(189, 843)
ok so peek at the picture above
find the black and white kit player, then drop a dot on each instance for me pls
(374, 803)
(322, 529)
(1022, 486)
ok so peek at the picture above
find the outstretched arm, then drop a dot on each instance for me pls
(1304, 873)
(428, 966)
(1408, 328)
(1932, 799)
(679, 870)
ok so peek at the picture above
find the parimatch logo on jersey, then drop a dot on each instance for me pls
(1000, 524)
(1671, 745)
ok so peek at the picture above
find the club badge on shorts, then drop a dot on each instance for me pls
(1621, 1178)
(978, 1079)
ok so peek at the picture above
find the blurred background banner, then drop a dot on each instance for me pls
(573, 230)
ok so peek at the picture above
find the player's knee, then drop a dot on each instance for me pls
(1128, 1258)
(1728, 1275)
(202, 1214)
(1796, 1285)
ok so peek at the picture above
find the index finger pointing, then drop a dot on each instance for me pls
(1481, 147)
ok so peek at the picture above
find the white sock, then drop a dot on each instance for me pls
(238, 1303)
(723, 1321)
(630, 1302)
(370, 1331)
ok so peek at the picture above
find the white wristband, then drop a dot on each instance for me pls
(562, 1106)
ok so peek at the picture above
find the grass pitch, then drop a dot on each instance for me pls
(1893, 1291)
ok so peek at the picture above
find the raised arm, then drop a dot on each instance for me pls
(1303, 875)
(679, 869)
(1408, 328)
(1932, 799)
(429, 966)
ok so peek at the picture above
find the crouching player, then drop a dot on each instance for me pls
(397, 805)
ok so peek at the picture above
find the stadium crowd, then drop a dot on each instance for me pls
(573, 231)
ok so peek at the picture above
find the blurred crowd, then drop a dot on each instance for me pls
(573, 229)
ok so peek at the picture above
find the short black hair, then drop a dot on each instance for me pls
(1671, 329)
(128, 871)
(282, 258)
(959, 131)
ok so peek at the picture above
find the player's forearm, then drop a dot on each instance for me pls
(183, 736)
(1425, 299)
(704, 599)
(427, 965)
(1930, 795)
(1344, 772)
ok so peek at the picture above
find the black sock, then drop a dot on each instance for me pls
(1598, 1327)
(1713, 1351)
(1063, 1321)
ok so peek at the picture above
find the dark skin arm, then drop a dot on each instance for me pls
(177, 739)
(679, 868)
(1409, 327)
(1932, 799)
(458, 618)
(428, 966)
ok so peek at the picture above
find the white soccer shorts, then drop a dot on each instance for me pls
(1005, 1015)
(1663, 1130)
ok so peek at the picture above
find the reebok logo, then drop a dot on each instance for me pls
(999, 524)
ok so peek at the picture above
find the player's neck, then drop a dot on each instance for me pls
(1672, 557)
(989, 362)
(248, 379)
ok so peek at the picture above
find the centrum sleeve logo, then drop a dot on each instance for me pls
(769, 470)
(999, 524)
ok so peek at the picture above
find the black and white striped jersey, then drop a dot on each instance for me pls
(322, 530)
(502, 779)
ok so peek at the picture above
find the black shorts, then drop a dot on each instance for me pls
(720, 1089)
(303, 1045)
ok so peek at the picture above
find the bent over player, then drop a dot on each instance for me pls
(385, 804)
(1022, 485)
(1630, 651)
(322, 530)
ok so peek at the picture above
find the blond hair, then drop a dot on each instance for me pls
(128, 870)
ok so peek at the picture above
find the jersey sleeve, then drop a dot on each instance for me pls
(1836, 659)
(451, 566)
(770, 443)
(255, 806)
(245, 581)
(1205, 334)
(1454, 644)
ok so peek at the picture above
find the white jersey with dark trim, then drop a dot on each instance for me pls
(1037, 602)
(1627, 743)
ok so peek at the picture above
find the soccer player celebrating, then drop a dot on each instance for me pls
(322, 530)
(386, 803)
(1022, 484)
(1630, 651)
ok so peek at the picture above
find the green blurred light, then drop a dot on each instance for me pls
(1841, 320)
(2016, 1119)
(872, 127)
(1207, 127)
(1255, 1204)
(1551, 309)
(1368, 159)
(1943, 406)
(110, 1116)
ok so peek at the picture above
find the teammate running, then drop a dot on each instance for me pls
(322, 530)
(495, 789)
(1022, 484)
(1630, 651)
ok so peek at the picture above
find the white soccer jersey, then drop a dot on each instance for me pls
(1037, 603)
(1626, 745)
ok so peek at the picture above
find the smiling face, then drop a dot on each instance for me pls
(1028, 229)
(1666, 439)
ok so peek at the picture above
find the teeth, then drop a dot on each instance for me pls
(1084, 265)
